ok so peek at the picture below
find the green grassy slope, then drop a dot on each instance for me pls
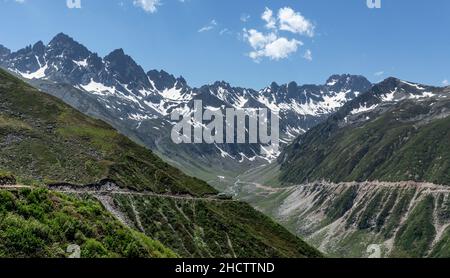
(39, 223)
(206, 228)
(404, 143)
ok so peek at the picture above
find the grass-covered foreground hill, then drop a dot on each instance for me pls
(44, 141)
(40, 223)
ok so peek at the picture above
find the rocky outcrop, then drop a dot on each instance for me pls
(7, 180)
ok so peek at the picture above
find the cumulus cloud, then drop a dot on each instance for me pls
(275, 43)
(445, 82)
(279, 49)
(258, 39)
(294, 22)
(270, 45)
(267, 16)
(150, 6)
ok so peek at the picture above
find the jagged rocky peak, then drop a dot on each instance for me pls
(39, 48)
(335, 83)
(347, 81)
(61, 40)
(4, 51)
(163, 80)
(274, 86)
(218, 89)
(390, 82)
(64, 46)
(281, 93)
(226, 92)
(28, 50)
(292, 86)
(394, 82)
(125, 69)
(397, 89)
(94, 61)
(221, 84)
(341, 79)
(24, 60)
(117, 54)
(388, 85)
(387, 93)
(181, 82)
(61, 37)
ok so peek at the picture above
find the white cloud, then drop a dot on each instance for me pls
(445, 82)
(308, 55)
(150, 6)
(269, 45)
(281, 48)
(272, 43)
(379, 73)
(210, 26)
(267, 16)
(294, 22)
(258, 39)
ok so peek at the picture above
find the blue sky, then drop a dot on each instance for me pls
(206, 40)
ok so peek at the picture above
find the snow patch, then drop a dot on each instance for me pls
(423, 95)
(332, 82)
(139, 117)
(98, 88)
(40, 73)
(174, 94)
(417, 86)
(223, 153)
(389, 97)
(82, 63)
(363, 109)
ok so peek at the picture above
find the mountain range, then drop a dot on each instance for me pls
(138, 103)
